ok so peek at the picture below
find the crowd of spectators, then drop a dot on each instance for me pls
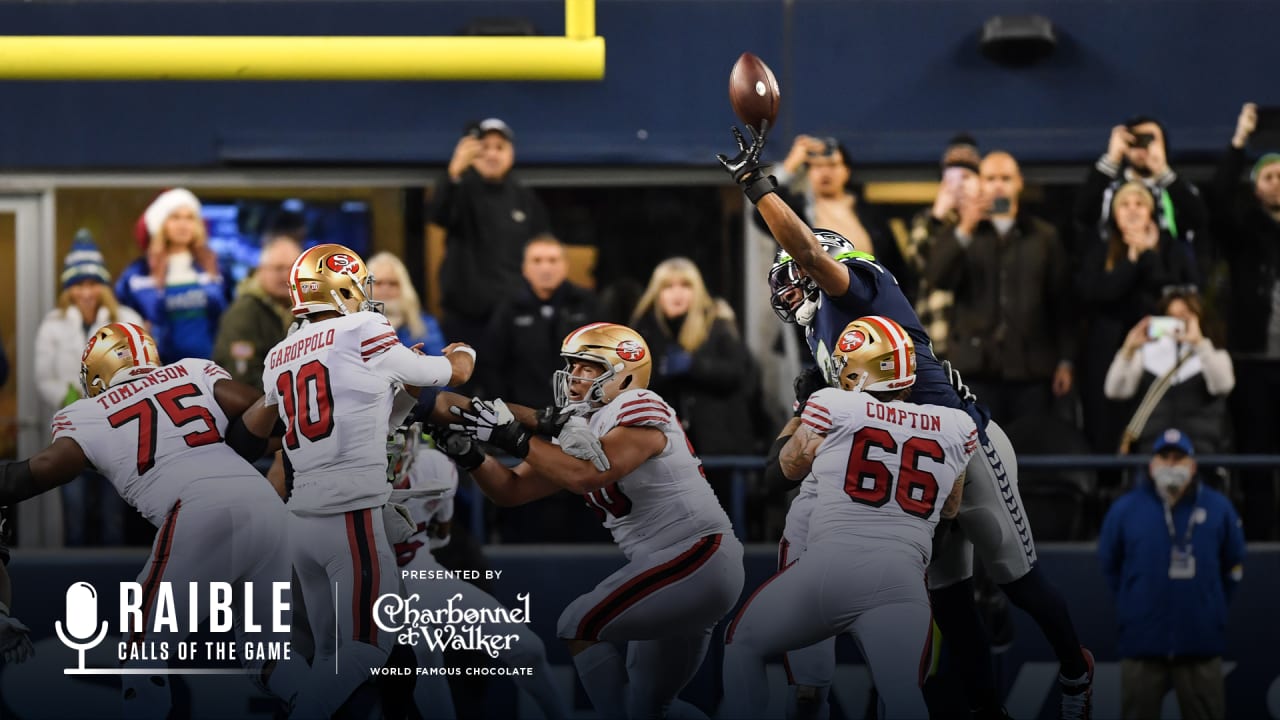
(1111, 334)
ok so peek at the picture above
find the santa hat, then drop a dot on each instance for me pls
(165, 204)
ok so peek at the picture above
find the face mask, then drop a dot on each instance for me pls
(1170, 480)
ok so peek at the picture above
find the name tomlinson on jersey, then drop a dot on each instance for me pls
(149, 378)
(293, 351)
(901, 416)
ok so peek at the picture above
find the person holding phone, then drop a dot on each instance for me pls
(1178, 373)
(1122, 279)
(485, 216)
(959, 170)
(1012, 331)
(1247, 229)
(1138, 151)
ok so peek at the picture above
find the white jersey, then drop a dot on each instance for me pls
(159, 435)
(428, 495)
(884, 469)
(667, 500)
(796, 528)
(334, 383)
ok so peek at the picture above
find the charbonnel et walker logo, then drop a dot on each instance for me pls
(164, 616)
(452, 627)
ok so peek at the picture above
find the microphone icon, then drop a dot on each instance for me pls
(82, 619)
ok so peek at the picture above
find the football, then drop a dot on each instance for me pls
(753, 91)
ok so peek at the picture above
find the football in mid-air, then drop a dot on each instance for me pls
(753, 91)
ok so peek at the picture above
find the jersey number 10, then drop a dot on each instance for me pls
(870, 482)
(305, 395)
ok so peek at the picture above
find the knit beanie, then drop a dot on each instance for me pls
(84, 262)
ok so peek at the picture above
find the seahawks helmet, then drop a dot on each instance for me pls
(790, 288)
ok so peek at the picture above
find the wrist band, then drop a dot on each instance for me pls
(464, 349)
(759, 187)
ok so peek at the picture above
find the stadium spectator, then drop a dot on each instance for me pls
(1181, 377)
(1247, 229)
(1172, 551)
(176, 286)
(394, 289)
(1123, 277)
(524, 339)
(93, 512)
(487, 216)
(959, 168)
(701, 366)
(528, 327)
(1012, 330)
(1138, 151)
(829, 198)
(261, 314)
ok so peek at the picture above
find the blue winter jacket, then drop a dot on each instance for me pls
(1160, 616)
(184, 318)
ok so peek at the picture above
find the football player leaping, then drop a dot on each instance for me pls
(684, 566)
(333, 383)
(821, 282)
(884, 473)
(158, 435)
(425, 482)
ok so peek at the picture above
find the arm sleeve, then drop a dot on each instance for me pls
(862, 286)
(945, 268)
(1123, 376)
(1111, 547)
(400, 364)
(53, 389)
(775, 481)
(1088, 209)
(1219, 374)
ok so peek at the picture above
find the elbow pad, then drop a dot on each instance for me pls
(775, 480)
(16, 482)
(246, 444)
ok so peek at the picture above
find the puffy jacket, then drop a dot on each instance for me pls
(1160, 616)
(183, 317)
(60, 342)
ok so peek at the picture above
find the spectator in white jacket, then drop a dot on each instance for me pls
(85, 304)
(1179, 374)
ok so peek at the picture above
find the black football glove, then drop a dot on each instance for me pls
(808, 382)
(492, 422)
(957, 383)
(551, 420)
(746, 168)
(460, 447)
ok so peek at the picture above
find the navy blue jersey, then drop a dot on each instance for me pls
(874, 291)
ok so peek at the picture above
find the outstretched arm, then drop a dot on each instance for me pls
(52, 467)
(801, 244)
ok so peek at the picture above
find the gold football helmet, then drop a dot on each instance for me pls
(621, 351)
(330, 278)
(874, 353)
(114, 350)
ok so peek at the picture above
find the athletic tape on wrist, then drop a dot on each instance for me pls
(464, 349)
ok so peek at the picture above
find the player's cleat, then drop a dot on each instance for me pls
(1077, 694)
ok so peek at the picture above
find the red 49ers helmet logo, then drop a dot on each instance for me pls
(89, 348)
(851, 341)
(630, 350)
(342, 262)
